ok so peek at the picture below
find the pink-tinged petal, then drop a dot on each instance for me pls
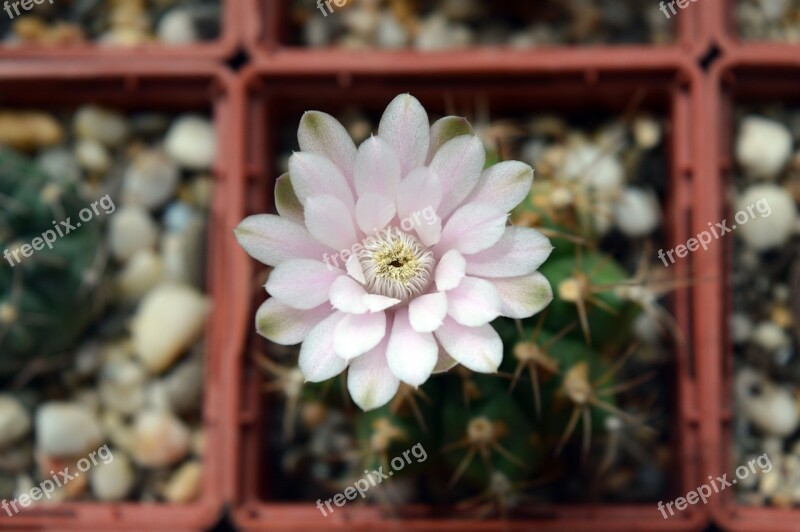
(370, 381)
(427, 312)
(302, 283)
(358, 333)
(330, 222)
(522, 297)
(289, 207)
(475, 302)
(315, 175)
(272, 240)
(285, 325)
(477, 348)
(520, 251)
(321, 133)
(445, 362)
(429, 233)
(355, 270)
(472, 228)
(419, 193)
(458, 164)
(504, 185)
(377, 168)
(377, 303)
(451, 269)
(445, 129)
(374, 212)
(318, 362)
(348, 296)
(411, 355)
(404, 125)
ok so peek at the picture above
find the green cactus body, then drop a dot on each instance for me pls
(44, 303)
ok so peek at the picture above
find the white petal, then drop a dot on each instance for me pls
(330, 222)
(522, 297)
(445, 129)
(370, 381)
(427, 312)
(285, 325)
(348, 296)
(473, 228)
(321, 133)
(358, 333)
(458, 164)
(411, 355)
(474, 302)
(315, 175)
(318, 362)
(376, 303)
(477, 348)
(374, 212)
(272, 240)
(520, 251)
(377, 168)
(445, 362)
(355, 270)
(430, 233)
(504, 185)
(302, 283)
(289, 207)
(450, 270)
(404, 125)
(420, 192)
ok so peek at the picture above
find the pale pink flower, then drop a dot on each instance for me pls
(430, 259)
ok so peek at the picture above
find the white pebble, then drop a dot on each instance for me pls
(168, 321)
(603, 172)
(177, 27)
(150, 180)
(646, 132)
(774, 215)
(60, 164)
(184, 387)
(101, 125)
(184, 485)
(131, 230)
(92, 156)
(159, 439)
(113, 481)
(390, 33)
(192, 142)
(15, 422)
(770, 336)
(66, 430)
(637, 212)
(141, 274)
(741, 328)
(769, 407)
(122, 385)
(763, 147)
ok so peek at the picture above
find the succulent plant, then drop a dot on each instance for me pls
(44, 298)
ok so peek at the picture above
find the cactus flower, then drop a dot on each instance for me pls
(391, 259)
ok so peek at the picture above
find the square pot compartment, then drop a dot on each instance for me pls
(273, 99)
(55, 86)
(723, 21)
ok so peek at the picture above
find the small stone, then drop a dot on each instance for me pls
(637, 212)
(436, 33)
(201, 192)
(122, 386)
(763, 147)
(150, 180)
(101, 125)
(131, 230)
(113, 481)
(184, 485)
(92, 156)
(141, 273)
(773, 220)
(769, 407)
(182, 252)
(647, 132)
(184, 387)
(770, 336)
(191, 142)
(15, 422)
(60, 164)
(177, 27)
(66, 430)
(741, 328)
(29, 130)
(159, 439)
(118, 433)
(390, 33)
(168, 321)
(602, 172)
(317, 32)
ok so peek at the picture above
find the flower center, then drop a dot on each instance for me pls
(396, 265)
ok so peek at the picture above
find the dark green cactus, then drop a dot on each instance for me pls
(44, 301)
